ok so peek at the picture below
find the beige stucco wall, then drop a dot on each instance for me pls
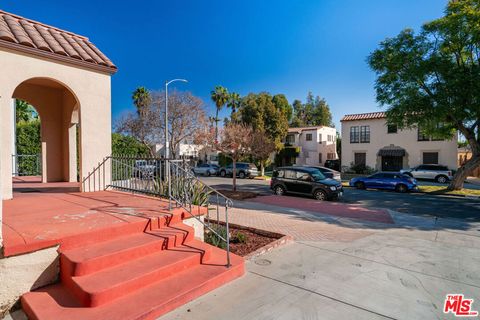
(92, 91)
(20, 274)
(407, 139)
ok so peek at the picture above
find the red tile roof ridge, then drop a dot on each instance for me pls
(364, 116)
(43, 24)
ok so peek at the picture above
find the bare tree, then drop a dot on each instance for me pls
(186, 119)
(236, 143)
(262, 148)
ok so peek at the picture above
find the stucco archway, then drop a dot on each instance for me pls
(58, 108)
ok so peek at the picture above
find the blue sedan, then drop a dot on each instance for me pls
(386, 180)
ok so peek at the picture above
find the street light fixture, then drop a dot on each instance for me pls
(167, 145)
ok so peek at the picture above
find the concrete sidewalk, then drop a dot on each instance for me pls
(352, 270)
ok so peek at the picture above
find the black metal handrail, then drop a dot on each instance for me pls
(172, 179)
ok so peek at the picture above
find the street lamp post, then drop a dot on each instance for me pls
(167, 144)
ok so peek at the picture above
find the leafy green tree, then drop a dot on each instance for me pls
(24, 111)
(281, 102)
(28, 144)
(260, 112)
(220, 97)
(141, 99)
(233, 103)
(431, 79)
(314, 112)
(127, 145)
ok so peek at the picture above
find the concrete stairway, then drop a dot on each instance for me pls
(140, 275)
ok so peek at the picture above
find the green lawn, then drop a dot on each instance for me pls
(443, 190)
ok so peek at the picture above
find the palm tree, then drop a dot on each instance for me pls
(234, 103)
(220, 97)
(141, 99)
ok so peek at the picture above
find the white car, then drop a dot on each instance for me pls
(439, 173)
(206, 169)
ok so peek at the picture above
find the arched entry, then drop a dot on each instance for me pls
(58, 108)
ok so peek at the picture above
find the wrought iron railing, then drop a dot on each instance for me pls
(26, 165)
(170, 179)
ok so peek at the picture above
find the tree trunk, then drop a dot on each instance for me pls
(262, 169)
(463, 172)
(234, 174)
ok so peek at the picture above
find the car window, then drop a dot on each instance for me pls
(376, 176)
(279, 173)
(252, 166)
(290, 174)
(318, 175)
(304, 176)
(422, 168)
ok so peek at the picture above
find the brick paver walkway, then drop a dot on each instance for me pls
(300, 227)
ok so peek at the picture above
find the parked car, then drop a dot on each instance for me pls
(206, 169)
(144, 169)
(386, 180)
(327, 172)
(436, 172)
(333, 164)
(305, 181)
(244, 170)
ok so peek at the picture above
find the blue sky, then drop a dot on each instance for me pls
(278, 46)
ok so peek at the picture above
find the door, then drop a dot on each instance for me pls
(420, 172)
(392, 163)
(374, 181)
(290, 180)
(304, 182)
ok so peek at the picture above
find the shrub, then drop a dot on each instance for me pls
(215, 240)
(240, 237)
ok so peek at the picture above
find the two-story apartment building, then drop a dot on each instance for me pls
(315, 144)
(368, 140)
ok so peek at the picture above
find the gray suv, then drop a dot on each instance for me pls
(436, 172)
(244, 170)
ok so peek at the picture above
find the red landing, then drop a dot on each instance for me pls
(44, 215)
(136, 275)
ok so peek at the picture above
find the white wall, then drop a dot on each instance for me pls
(310, 150)
(406, 139)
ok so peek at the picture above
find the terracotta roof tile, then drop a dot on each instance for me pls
(37, 38)
(364, 116)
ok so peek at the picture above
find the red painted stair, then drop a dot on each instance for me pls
(137, 276)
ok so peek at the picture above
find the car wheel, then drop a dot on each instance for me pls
(223, 173)
(441, 179)
(401, 188)
(360, 185)
(208, 173)
(279, 190)
(241, 175)
(320, 195)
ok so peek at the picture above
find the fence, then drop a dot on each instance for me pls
(166, 178)
(26, 165)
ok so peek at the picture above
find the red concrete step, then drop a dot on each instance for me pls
(102, 287)
(56, 302)
(93, 258)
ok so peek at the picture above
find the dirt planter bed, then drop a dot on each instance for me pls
(257, 242)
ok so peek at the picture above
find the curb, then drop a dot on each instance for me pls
(269, 247)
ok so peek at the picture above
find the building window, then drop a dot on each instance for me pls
(320, 158)
(290, 139)
(354, 135)
(308, 137)
(320, 138)
(364, 134)
(360, 158)
(430, 158)
(392, 128)
(330, 156)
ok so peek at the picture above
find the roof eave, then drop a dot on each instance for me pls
(57, 57)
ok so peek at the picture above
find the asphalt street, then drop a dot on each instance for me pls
(413, 203)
